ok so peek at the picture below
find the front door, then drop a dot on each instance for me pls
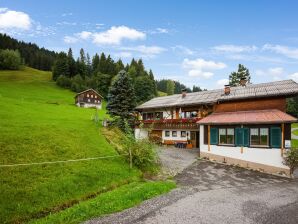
(195, 139)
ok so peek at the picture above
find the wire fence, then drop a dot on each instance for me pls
(60, 161)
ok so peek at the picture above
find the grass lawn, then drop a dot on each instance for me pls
(39, 122)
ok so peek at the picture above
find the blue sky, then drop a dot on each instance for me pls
(195, 42)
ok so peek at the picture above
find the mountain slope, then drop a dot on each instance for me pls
(39, 122)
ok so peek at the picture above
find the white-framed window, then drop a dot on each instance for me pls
(167, 133)
(259, 136)
(87, 95)
(226, 136)
(183, 133)
(174, 133)
(89, 100)
(95, 101)
(95, 96)
(91, 96)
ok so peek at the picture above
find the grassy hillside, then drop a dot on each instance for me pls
(39, 122)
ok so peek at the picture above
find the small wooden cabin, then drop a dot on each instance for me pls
(89, 98)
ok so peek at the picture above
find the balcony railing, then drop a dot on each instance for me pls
(182, 123)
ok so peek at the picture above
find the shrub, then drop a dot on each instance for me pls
(10, 59)
(291, 159)
(63, 81)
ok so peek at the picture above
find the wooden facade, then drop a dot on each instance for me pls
(256, 104)
(88, 98)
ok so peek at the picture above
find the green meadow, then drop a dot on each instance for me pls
(39, 122)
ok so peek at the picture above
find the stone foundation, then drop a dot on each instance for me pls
(247, 164)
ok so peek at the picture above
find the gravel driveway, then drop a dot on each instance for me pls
(216, 193)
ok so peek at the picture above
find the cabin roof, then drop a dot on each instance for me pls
(248, 117)
(250, 91)
(87, 91)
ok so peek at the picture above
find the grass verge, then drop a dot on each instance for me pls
(121, 198)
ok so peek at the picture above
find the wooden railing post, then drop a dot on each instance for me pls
(282, 138)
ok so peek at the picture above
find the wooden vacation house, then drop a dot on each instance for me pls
(89, 98)
(246, 125)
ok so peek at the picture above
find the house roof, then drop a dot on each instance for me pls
(270, 89)
(87, 91)
(248, 117)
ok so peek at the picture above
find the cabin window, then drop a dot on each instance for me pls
(87, 95)
(158, 115)
(88, 100)
(259, 136)
(183, 133)
(167, 133)
(95, 101)
(147, 116)
(95, 97)
(91, 96)
(226, 136)
(188, 114)
(174, 133)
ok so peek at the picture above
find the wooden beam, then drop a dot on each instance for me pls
(282, 138)
(208, 137)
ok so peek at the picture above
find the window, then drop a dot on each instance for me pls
(188, 114)
(259, 136)
(91, 96)
(95, 97)
(226, 136)
(174, 133)
(87, 95)
(167, 133)
(88, 100)
(158, 115)
(147, 116)
(183, 133)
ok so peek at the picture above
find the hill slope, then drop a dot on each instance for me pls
(39, 122)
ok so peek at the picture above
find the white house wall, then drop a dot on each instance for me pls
(271, 157)
(178, 138)
(141, 133)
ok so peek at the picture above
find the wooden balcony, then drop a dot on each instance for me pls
(183, 123)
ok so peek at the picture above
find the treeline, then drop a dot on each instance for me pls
(171, 87)
(32, 55)
(98, 72)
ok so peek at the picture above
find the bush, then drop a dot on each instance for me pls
(291, 159)
(63, 81)
(10, 59)
(78, 84)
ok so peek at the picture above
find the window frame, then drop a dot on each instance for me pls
(184, 135)
(174, 135)
(259, 137)
(169, 134)
(226, 136)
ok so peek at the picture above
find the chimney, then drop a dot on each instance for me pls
(183, 91)
(243, 81)
(227, 89)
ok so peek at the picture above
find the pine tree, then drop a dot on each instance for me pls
(121, 99)
(60, 66)
(235, 77)
(196, 89)
(88, 66)
(95, 63)
(71, 63)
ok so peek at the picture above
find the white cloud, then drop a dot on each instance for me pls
(158, 30)
(66, 23)
(124, 54)
(116, 34)
(221, 82)
(10, 19)
(284, 50)
(200, 73)
(70, 39)
(235, 48)
(294, 76)
(183, 50)
(84, 35)
(202, 64)
(274, 73)
(201, 67)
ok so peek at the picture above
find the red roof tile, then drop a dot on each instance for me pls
(249, 117)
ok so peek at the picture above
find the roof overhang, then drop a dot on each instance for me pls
(248, 117)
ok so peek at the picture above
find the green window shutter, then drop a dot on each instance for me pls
(245, 137)
(275, 137)
(239, 136)
(213, 136)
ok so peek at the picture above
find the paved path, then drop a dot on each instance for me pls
(294, 136)
(216, 193)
